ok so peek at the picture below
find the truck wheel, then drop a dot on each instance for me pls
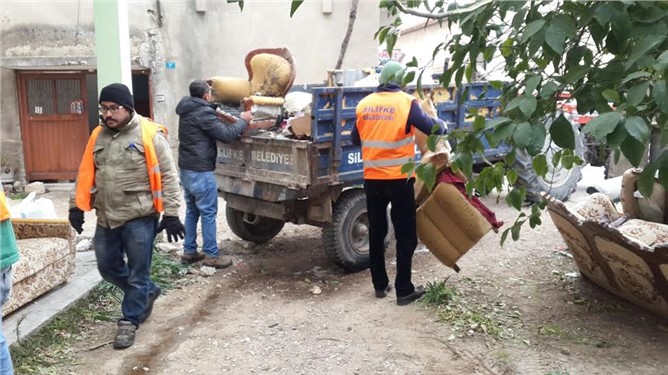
(559, 182)
(346, 240)
(258, 229)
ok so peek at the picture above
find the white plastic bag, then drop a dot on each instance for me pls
(31, 208)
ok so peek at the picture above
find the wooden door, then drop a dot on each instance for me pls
(54, 123)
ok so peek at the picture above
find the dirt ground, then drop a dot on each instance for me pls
(284, 309)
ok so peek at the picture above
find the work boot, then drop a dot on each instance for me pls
(151, 299)
(382, 293)
(125, 335)
(190, 258)
(217, 262)
(415, 295)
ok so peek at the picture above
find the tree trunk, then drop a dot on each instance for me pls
(346, 40)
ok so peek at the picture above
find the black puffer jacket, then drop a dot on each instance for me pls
(199, 129)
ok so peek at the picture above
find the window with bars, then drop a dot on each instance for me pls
(49, 96)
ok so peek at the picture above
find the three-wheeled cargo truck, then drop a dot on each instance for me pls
(269, 181)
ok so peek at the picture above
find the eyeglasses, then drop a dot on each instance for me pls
(113, 109)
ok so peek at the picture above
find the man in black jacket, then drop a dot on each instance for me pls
(199, 129)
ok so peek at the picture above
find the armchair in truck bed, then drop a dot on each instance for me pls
(271, 73)
(623, 252)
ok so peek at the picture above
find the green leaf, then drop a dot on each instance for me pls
(408, 78)
(504, 236)
(662, 61)
(618, 136)
(634, 151)
(646, 180)
(531, 84)
(294, 6)
(522, 134)
(515, 231)
(528, 105)
(560, 29)
(549, 89)
(490, 124)
(514, 199)
(504, 131)
(637, 93)
(408, 168)
(507, 48)
(644, 45)
(539, 164)
(611, 95)
(562, 133)
(660, 95)
(576, 73)
(498, 85)
(635, 75)
(431, 142)
(427, 173)
(603, 124)
(479, 123)
(531, 29)
(637, 128)
(514, 103)
(511, 175)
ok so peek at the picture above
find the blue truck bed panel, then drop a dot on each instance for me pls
(330, 158)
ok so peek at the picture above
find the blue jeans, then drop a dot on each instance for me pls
(133, 239)
(201, 195)
(6, 367)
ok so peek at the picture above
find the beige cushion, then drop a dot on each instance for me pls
(229, 89)
(449, 225)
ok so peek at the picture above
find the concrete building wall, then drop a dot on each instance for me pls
(198, 38)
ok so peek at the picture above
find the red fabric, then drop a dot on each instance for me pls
(450, 178)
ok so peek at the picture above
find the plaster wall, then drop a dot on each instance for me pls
(180, 41)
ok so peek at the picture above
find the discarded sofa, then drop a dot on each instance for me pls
(618, 251)
(47, 259)
(449, 223)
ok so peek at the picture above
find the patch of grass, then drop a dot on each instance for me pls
(437, 293)
(467, 315)
(561, 333)
(52, 345)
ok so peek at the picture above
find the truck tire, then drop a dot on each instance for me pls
(346, 239)
(559, 182)
(260, 231)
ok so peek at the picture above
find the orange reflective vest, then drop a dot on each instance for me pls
(86, 178)
(381, 123)
(4, 210)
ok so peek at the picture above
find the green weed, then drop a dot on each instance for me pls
(437, 294)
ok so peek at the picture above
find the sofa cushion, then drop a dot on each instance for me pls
(37, 254)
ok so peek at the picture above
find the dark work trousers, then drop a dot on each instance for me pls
(400, 193)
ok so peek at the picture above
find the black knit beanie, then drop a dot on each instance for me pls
(118, 93)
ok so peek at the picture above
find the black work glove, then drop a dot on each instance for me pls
(76, 218)
(174, 227)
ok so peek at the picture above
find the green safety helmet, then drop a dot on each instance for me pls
(392, 72)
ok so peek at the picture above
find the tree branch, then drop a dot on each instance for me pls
(443, 15)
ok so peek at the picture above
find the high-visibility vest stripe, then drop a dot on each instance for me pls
(386, 162)
(86, 176)
(388, 144)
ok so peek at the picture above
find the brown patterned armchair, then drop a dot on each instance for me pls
(621, 253)
(47, 252)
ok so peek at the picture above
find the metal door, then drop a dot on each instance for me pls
(53, 110)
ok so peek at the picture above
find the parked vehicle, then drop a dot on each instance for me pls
(268, 181)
